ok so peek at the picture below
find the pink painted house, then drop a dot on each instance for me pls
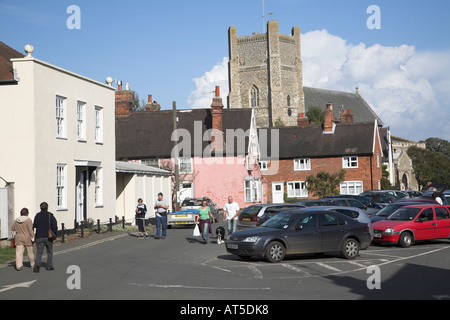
(214, 149)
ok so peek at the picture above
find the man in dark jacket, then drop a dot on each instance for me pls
(43, 221)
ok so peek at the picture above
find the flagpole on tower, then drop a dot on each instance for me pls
(264, 18)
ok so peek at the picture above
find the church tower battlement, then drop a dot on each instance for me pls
(265, 73)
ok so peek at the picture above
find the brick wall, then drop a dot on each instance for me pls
(333, 165)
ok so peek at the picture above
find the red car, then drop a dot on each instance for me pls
(411, 223)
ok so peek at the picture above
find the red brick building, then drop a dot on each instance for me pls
(307, 149)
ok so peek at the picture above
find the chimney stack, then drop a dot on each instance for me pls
(302, 120)
(329, 118)
(217, 112)
(347, 116)
(152, 105)
(124, 101)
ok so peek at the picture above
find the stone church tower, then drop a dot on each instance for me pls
(265, 73)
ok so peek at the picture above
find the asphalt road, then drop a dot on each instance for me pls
(121, 266)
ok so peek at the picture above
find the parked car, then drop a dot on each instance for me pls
(413, 193)
(301, 231)
(391, 208)
(445, 196)
(412, 223)
(380, 197)
(349, 202)
(189, 210)
(366, 201)
(315, 203)
(351, 212)
(250, 215)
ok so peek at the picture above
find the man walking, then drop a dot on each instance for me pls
(43, 222)
(231, 211)
(161, 207)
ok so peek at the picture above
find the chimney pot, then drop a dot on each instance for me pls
(150, 98)
(217, 91)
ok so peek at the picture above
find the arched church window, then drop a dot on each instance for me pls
(288, 101)
(254, 97)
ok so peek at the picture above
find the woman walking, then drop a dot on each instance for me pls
(23, 227)
(205, 219)
(141, 211)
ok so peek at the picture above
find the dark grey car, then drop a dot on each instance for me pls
(301, 231)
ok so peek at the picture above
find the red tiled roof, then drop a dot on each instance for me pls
(6, 54)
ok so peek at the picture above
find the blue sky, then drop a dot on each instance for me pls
(175, 49)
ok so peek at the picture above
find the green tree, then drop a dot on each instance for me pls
(438, 145)
(325, 184)
(315, 115)
(429, 166)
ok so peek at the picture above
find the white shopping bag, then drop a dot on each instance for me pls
(196, 231)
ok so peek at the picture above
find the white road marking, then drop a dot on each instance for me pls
(178, 286)
(17, 285)
(328, 267)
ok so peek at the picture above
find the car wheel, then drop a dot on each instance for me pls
(350, 248)
(405, 240)
(275, 252)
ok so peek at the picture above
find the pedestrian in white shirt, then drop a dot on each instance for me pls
(231, 211)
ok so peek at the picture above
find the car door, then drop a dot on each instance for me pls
(305, 237)
(331, 229)
(442, 221)
(425, 224)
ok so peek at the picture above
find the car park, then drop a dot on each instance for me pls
(249, 217)
(301, 231)
(413, 223)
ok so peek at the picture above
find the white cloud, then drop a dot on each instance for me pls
(202, 96)
(407, 88)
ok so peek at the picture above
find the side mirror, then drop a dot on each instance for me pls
(420, 220)
(299, 228)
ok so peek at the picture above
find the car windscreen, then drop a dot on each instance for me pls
(191, 203)
(250, 211)
(404, 214)
(388, 210)
(280, 221)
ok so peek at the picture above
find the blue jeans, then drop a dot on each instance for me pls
(231, 225)
(205, 230)
(161, 222)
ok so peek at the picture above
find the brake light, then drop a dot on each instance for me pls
(255, 219)
(367, 229)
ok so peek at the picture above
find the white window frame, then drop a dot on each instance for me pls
(99, 187)
(302, 164)
(350, 162)
(294, 192)
(61, 130)
(252, 191)
(98, 124)
(81, 120)
(185, 165)
(351, 187)
(61, 187)
(263, 165)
